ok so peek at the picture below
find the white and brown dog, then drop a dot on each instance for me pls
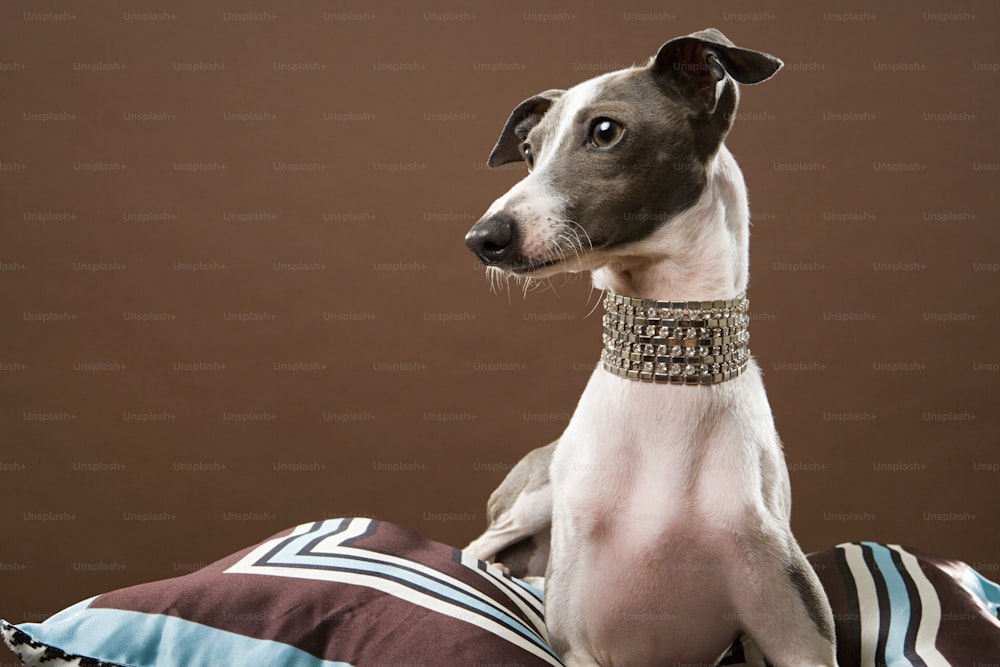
(667, 498)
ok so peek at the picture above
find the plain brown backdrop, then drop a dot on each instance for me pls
(235, 296)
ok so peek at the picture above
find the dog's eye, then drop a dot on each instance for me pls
(529, 156)
(605, 133)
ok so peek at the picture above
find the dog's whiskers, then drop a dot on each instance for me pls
(569, 243)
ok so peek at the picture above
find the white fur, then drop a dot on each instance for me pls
(575, 99)
(670, 504)
(690, 527)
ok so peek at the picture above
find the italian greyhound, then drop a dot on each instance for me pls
(660, 517)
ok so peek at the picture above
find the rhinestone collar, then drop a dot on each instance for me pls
(675, 342)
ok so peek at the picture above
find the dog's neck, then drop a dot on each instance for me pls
(700, 255)
(676, 307)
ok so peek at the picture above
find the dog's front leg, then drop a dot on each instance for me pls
(519, 511)
(781, 605)
(529, 515)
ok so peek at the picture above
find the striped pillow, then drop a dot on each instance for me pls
(327, 594)
(902, 607)
(349, 592)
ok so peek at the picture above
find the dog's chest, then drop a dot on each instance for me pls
(636, 517)
(611, 488)
(633, 454)
(642, 573)
(655, 458)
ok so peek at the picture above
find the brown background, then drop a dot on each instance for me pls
(235, 295)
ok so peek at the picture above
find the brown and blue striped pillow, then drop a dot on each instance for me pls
(359, 592)
(333, 593)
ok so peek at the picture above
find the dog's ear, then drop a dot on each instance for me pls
(525, 116)
(697, 66)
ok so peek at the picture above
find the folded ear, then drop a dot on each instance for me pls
(525, 116)
(697, 66)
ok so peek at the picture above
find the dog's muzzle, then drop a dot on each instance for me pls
(493, 239)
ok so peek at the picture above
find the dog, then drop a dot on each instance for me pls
(660, 517)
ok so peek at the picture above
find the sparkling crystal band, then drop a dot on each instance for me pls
(676, 342)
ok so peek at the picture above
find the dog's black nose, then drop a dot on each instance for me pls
(493, 239)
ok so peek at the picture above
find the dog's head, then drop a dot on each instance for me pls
(614, 158)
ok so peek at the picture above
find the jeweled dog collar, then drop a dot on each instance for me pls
(675, 342)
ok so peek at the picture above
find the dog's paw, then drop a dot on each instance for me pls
(501, 568)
